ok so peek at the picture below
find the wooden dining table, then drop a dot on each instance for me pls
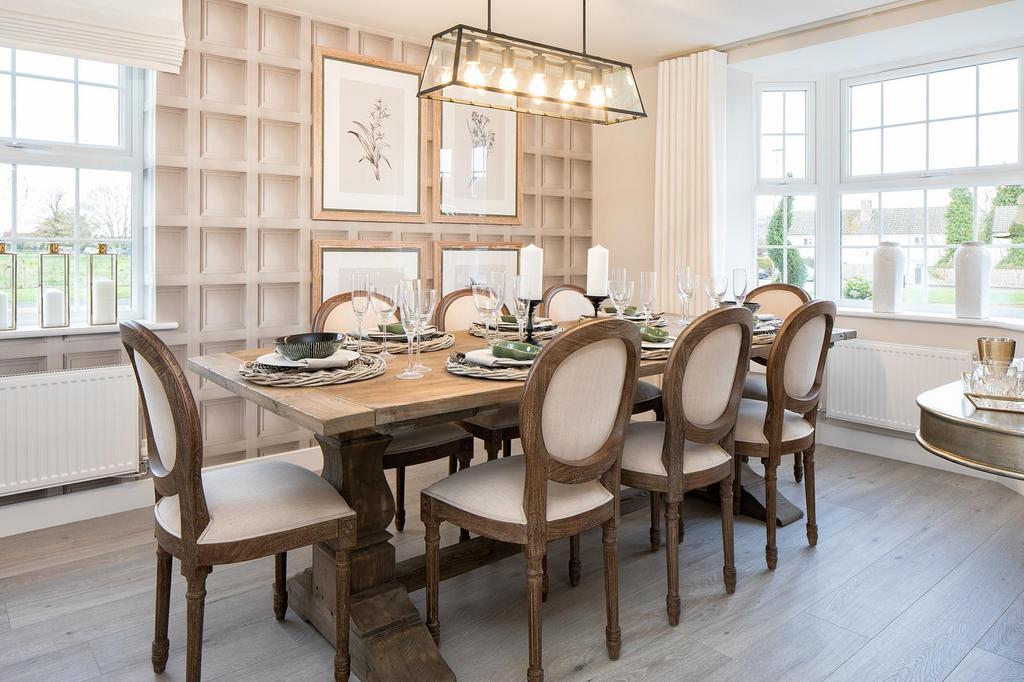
(353, 424)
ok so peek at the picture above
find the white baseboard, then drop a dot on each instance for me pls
(47, 512)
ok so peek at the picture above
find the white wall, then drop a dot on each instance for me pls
(739, 172)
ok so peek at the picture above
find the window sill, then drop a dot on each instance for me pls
(1008, 323)
(76, 330)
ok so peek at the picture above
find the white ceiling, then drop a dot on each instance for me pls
(639, 31)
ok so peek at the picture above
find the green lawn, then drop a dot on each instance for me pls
(1012, 298)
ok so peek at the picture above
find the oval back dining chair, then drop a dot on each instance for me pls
(457, 312)
(693, 448)
(566, 303)
(408, 447)
(785, 423)
(574, 413)
(225, 515)
(336, 314)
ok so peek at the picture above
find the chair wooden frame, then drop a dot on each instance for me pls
(676, 484)
(541, 467)
(778, 403)
(184, 479)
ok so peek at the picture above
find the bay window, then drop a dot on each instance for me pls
(786, 132)
(785, 232)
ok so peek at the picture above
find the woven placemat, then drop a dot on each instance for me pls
(539, 334)
(439, 342)
(456, 364)
(655, 353)
(366, 367)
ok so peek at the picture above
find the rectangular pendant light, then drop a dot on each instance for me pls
(472, 66)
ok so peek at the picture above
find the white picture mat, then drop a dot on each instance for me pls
(458, 265)
(341, 150)
(494, 195)
(386, 267)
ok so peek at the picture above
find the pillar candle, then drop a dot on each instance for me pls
(104, 302)
(53, 308)
(531, 266)
(597, 271)
(5, 310)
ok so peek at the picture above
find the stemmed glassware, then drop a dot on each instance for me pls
(521, 300)
(487, 299)
(715, 287)
(384, 300)
(620, 290)
(684, 289)
(739, 285)
(360, 304)
(409, 304)
(648, 292)
(426, 310)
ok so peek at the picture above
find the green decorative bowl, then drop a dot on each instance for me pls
(514, 350)
(313, 345)
(393, 328)
(653, 334)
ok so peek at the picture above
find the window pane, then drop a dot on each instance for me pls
(951, 93)
(903, 217)
(771, 156)
(941, 275)
(866, 152)
(801, 221)
(796, 111)
(765, 208)
(5, 199)
(5, 105)
(769, 265)
(903, 100)
(997, 86)
(97, 72)
(903, 149)
(950, 218)
(45, 110)
(915, 282)
(45, 64)
(1001, 214)
(860, 219)
(106, 205)
(771, 112)
(951, 144)
(866, 105)
(856, 273)
(98, 115)
(997, 139)
(796, 159)
(5, 59)
(807, 260)
(46, 201)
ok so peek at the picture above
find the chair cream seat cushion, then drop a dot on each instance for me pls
(494, 490)
(425, 437)
(755, 386)
(750, 423)
(258, 498)
(642, 451)
(505, 417)
(645, 390)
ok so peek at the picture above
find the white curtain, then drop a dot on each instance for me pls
(143, 33)
(689, 175)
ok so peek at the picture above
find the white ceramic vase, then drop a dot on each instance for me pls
(888, 274)
(973, 273)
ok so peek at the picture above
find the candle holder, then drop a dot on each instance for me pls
(8, 289)
(529, 320)
(54, 288)
(102, 286)
(596, 302)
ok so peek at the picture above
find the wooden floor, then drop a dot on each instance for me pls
(918, 576)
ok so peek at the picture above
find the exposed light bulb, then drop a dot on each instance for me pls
(508, 80)
(538, 84)
(473, 75)
(568, 91)
(597, 93)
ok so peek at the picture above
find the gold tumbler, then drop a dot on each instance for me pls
(996, 348)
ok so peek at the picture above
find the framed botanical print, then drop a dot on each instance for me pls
(369, 144)
(334, 262)
(458, 264)
(477, 165)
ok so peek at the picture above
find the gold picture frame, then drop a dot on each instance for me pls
(460, 257)
(331, 258)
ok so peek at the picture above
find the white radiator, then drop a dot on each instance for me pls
(876, 383)
(64, 427)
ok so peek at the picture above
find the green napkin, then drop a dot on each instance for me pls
(628, 310)
(653, 334)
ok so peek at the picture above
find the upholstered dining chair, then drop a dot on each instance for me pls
(220, 516)
(785, 423)
(337, 314)
(408, 447)
(574, 413)
(693, 447)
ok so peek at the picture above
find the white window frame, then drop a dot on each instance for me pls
(810, 140)
(128, 155)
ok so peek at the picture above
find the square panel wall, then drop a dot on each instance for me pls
(222, 136)
(279, 88)
(280, 33)
(279, 142)
(222, 307)
(222, 193)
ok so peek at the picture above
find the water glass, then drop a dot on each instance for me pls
(715, 286)
(620, 291)
(648, 292)
(410, 297)
(521, 301)
(360, 304)
(428, 297)
(739, 285)
(384, 300)
(684, 289)
(497, 280)
(487, 300)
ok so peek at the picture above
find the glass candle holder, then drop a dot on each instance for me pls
(8, 289)
(102, 286)
(54, 288)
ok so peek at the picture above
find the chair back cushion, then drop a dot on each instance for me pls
(163, 451)
(459, 313)
(567, 304)
(708, 379)
(803, 356)
(342, 318)
(778, 299)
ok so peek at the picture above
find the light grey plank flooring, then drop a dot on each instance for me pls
(918, 575)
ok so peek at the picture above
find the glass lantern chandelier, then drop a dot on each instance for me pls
(472, 66)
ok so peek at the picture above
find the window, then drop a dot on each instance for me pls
(949, 117)
(70, 171)
(785, 240)
(786, 133)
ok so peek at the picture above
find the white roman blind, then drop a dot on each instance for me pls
(147, 34)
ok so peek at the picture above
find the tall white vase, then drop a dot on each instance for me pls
(888, 273)
(973, 274)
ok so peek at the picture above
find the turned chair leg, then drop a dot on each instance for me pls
(400, 499)
(812, 521)
(544, 584)
(574, 560)
(737, 483)
(655, 521)
(342, 663)
(672, 603)
(161, 645)
(432, 537)
(465, 457)
(195, 596)
(280, 590)
(659, 413)
(491, 446)
(798, 466)
(610, 542)
(771, 466)
(682, 524)
(729, 564)
(534, 596)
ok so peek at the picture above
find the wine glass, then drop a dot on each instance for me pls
(497, 280)
(715, 287)
(739, 285)
(426, 310)
(384, 300)
(684, 289)
(619, 290)
(648, 292)
(360, 304)
(409, 297)
(521, 300)
(487, 300)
